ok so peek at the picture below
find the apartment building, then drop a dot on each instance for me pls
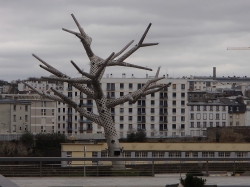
(39, 84)
(14, 116)
(42, 112)
(160, 114)
(215, 113)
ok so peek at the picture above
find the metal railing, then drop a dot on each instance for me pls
(139, 166)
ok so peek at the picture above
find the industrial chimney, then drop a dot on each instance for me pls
(214, 73)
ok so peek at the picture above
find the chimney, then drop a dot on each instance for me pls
(124, 75)
(214, 73)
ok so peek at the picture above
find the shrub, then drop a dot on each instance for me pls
(139, 136)
(191, 181)
(27, 139)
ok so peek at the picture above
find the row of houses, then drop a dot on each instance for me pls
(186, 108)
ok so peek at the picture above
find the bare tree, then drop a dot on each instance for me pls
(97, 68)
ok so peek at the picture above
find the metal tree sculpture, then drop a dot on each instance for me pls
(97, 68)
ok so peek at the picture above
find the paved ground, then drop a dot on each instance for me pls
(157, 181)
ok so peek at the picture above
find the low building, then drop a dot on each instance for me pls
(166, 150)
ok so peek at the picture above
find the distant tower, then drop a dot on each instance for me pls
(214, 73)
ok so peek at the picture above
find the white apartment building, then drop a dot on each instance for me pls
(39, 84)
(160, 114)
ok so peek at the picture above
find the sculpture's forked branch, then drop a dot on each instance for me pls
(156, 90)
(65, 98)
(140, 44)
(99, 71)
(120, 52)
(52, 97)
(82, 72)
(89, 115)
(125, 64)
(85, 39)
(73, 80)
(49, 68)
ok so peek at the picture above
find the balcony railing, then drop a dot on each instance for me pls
(84, 121)
(141, 113)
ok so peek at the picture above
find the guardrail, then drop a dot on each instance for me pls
(89, 166)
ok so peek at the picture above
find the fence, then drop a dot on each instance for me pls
(52, 166)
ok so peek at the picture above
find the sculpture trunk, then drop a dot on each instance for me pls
(114, 148)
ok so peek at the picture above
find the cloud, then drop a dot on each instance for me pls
(193, 35)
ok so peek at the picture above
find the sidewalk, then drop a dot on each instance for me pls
(157, 181)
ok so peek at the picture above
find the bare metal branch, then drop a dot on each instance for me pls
(117, 54)
(82, 72)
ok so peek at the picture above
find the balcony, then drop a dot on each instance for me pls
(162, 129)
(110, 89)
(84, 121)
(163, 121)
(141, 121)
(141, 105)
(163, 97)
(69, 120)
(69, 112)
(85, 105)
(69, 88)
(87, 129)
(163, 113)
(69, 128)
(163, 105)
(141, 113)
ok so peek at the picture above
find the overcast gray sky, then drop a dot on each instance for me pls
(193, 36)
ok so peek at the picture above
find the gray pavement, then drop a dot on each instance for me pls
(157, 181)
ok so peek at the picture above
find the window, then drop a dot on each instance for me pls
(192, 108)
(207, 154)
(152, 118)
(130, 126)
(204, 124)
(121, 126)
(211, 108)
(183, 95)
(174, 154)
(130, 110)
(192, 116)
(198, 108)
(121, 118)
(224, 108)
(139, 86)
(152, 126)
(53, 112)
(183, 110)
(121, 110)
(173, 126)
(26, 118)
(43, 103)
(237, 109)
(223, 124)
(173, 118)
(152, 94)
(174, 110)
(152, 110)
(237, 123)
(26, 108)
(174, 94)
(152, 102)
(217, 108)
(174, 103)
(211, 124)
(121, 93)
(182, 103)
(182, 118)
(14, 107)
(241, 154)
(130, 86)
(173, 86)
(121, 86)
(182, 86)
(198, 124)
(217, 116)
(192, 125)
(223, 154)
(130, 118)
(14, 118)
(59, 110)
(182, 126)
(204, 108)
